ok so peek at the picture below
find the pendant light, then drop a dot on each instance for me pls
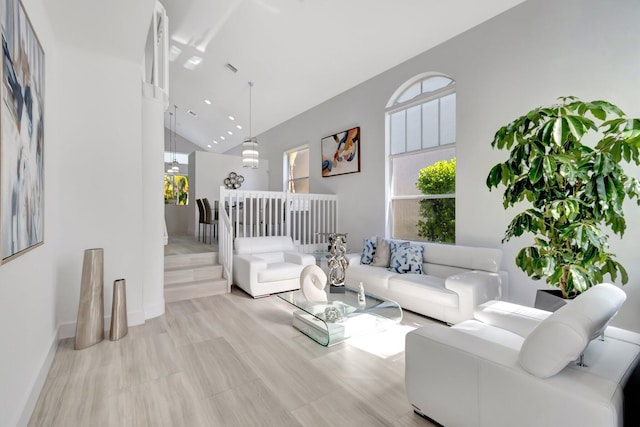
(175, 167)
(250, 144)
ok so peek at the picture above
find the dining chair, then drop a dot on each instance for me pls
(208, 219)
(201, 219)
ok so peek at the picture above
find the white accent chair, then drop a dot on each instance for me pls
(515, 365)
(267, 265)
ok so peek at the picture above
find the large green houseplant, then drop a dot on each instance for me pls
(565, 166)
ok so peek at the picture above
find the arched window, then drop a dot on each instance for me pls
(421, 135)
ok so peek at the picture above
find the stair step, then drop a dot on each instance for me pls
(191, 274)
(195, 289)
(194, 260)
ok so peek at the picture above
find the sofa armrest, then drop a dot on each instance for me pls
(516, 318)
(473, 288)
(246, 268)
(443, 372)
(299, 258)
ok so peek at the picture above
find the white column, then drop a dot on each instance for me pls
(152, 201)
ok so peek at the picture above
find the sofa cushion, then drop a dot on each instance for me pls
(428, 287)
(271, 256)
(516, 318)
(374, 279)
(280, 271)
(564, 335)
(406, 259)
(368, 251)
(442, 271)
(467, 257)
(490, 333)
(252, 245)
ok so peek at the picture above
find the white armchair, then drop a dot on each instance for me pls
(268, 265)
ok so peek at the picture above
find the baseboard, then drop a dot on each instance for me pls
(68, 330)
(38, 383)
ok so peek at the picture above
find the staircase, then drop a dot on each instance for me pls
(192, 276)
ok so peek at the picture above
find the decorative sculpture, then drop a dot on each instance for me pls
(119, 323)
(233, 181)
(90, 323)
(337, 263)
(312, 282)
(332, 315)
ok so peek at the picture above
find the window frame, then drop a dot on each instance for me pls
(393, 107)
(285, 168)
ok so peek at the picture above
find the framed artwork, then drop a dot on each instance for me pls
(341, 153)
(21, 134)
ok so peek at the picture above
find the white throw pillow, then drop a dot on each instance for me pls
(562, 337)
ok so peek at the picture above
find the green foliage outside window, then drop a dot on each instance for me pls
(439, 215)
(176, 190)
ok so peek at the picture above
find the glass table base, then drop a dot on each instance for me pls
(341, 317)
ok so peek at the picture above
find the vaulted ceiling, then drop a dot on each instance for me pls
(297, 53)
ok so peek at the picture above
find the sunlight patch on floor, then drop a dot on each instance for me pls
(384, 343)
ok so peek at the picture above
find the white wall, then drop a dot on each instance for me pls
(177, 219)
(152, 242)
(103, 204)
(93, 198)
(28, 284)
(207, 172)
(522, 59)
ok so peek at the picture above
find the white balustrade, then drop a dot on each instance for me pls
(307, 218)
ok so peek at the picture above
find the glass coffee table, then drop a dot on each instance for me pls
(341, 317)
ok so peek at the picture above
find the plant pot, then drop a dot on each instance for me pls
(549, 299)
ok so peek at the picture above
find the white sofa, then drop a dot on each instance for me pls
(455, 280)
(514, 365)
(267, 265)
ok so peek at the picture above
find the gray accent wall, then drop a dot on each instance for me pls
(524, 58)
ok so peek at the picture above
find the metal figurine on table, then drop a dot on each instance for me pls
(337, 263)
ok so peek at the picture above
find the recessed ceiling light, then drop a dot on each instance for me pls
(222, 137)
(239, 127)
(229, 132)
(192, 62)
(215, 142)
(231, 118)
(206, 101)
(192, 113)
(208, 145)
(231, 67)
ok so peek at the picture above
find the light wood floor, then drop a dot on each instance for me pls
(227, 360)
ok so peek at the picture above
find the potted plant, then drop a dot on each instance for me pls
(565, 165)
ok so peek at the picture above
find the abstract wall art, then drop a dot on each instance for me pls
(341, 153)
(21, 134)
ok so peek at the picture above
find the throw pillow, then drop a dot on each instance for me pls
(383, 253)
(368, 251)
(406, 259)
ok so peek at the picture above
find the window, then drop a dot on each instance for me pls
(176, 189)
(421, 130)
(296, 171)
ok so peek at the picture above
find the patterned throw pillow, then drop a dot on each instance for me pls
(368, 251)
(406, 259)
